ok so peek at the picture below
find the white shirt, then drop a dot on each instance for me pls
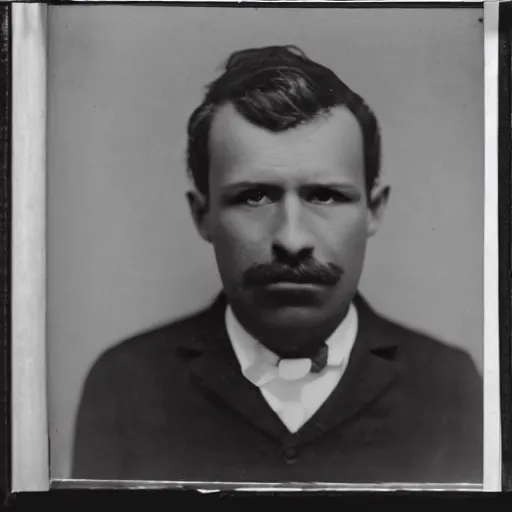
(291, 390)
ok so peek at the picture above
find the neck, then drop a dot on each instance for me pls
(290, 341)
(307, 350)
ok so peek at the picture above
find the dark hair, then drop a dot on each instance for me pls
(277, 88)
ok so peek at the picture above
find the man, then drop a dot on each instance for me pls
(290, 375)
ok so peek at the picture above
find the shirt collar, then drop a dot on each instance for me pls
(250, 351)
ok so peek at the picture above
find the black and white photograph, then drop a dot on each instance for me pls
(266, 245)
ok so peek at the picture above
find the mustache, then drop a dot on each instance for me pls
(308, 272)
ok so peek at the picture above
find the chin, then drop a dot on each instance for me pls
(294, 320)
(288, 317)
(292, 332)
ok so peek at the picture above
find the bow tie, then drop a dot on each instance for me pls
(271, 367)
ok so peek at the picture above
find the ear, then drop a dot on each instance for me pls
(377, 204)
(198, 204)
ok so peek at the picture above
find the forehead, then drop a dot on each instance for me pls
(328, 147)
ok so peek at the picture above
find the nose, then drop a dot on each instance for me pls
(292, 241)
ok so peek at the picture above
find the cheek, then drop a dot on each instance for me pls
(343, 234)
(241, 236)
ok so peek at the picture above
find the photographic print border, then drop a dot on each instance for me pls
(498, 147)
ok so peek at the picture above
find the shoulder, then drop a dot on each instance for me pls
(436, 365)
(423, 347)
(423, 360)
(149, 352)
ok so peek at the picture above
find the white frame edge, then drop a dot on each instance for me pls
(30, 454)
(30, 460)
(260, 487)
(492, 414)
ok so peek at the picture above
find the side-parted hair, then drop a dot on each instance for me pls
(277, 88)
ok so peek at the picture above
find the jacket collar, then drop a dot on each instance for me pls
(369, 375)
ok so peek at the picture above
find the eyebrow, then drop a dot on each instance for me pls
(343, 187)
(245, 184)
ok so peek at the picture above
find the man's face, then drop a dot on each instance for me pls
(288, 217)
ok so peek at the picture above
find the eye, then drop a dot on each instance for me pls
(254, 197)
(322, 195)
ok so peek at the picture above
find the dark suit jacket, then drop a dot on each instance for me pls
(172, 404)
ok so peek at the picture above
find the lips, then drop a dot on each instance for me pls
(292, 294)
(293, 285)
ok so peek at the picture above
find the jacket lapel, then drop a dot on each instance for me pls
(218, 374)
(369, 375)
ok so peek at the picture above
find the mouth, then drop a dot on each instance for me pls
(293, 286)
(293, 294)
